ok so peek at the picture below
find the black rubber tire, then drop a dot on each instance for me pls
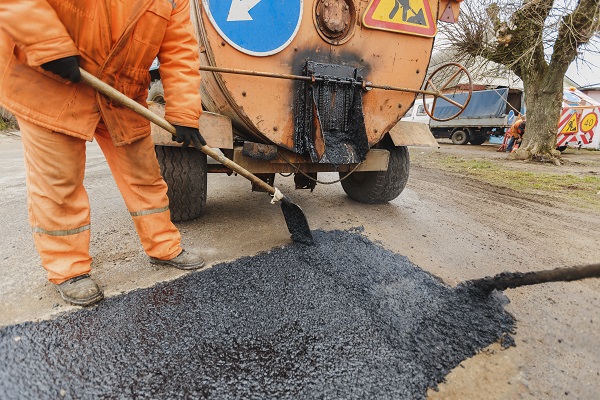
(460, 137)
(185, 172)
(377, 187)
(156, 93)
(477, 140)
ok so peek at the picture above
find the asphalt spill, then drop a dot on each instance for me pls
(342, 319)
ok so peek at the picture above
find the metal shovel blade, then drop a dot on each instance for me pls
(296, 222)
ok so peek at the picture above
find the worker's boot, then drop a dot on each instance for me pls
(186, 260)
(80, 291)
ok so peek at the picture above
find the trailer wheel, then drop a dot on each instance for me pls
(460, 137)
(477, 140)
(376, 187)
(184, 170)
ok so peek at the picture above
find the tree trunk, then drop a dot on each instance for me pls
(543, 102)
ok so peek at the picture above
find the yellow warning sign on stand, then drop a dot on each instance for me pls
(412, 17)
(572, 125)
(589, 122)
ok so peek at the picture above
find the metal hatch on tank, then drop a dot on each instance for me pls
(313, 86)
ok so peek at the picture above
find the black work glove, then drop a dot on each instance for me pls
(67, 67)
(185, 135)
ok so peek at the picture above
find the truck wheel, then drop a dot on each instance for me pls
(156, 93)
(375, 187)
(478, 140)
(460, 137)
(184, 170)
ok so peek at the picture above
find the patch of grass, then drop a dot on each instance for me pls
(7, 120)
(7, 125)
(580, 191)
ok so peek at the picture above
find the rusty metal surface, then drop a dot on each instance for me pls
(333, 20)
(262, 108)
(259, 151)
(449, 11)
(409, 133)
(377, 160)
(440, 80)
(216, 129)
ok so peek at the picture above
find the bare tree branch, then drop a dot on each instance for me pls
(535, 39)
(576, 29)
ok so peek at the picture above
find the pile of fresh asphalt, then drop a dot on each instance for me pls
(342, 319)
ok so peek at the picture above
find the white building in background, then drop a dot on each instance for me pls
(592, 91)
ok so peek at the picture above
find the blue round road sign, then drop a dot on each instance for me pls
(256, 27)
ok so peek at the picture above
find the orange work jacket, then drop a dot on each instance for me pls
(514, 130)
(116, 40)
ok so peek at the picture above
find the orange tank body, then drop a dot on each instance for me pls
(332, 32)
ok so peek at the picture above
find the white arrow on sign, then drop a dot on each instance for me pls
(239, 10)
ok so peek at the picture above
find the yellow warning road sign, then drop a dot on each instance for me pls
(571, 126)
(589, 122)
(413, 17)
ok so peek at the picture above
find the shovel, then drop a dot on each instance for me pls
(511, 280)
(293, 214)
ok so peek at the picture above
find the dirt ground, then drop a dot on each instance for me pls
(451, 225)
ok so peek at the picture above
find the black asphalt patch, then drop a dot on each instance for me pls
(342, 319)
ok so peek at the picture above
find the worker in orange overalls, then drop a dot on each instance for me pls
(42, 45)
(515, 133)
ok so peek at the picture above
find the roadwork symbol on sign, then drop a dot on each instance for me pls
(413, 17)
(571, 125)
(588, 122)
(255, 27)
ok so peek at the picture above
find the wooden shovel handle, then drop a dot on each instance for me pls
(114, 94)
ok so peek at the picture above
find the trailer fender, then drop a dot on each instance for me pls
(216, 129)
(409, 133)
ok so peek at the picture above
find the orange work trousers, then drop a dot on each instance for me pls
(59, 208)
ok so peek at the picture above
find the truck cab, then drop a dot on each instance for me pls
(417, 112)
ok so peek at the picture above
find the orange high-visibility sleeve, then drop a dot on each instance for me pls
(117, 42)
(180, 69)
(36, 28)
